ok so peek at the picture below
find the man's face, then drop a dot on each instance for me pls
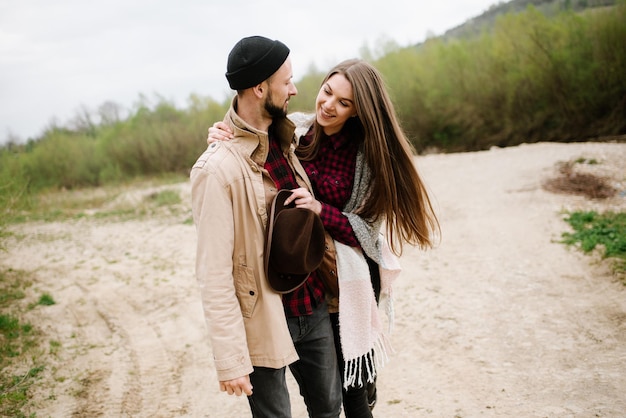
(274, 110)
(280, 90)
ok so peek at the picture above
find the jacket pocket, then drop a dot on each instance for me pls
(246, 288)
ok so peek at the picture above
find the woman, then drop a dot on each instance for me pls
(360, 164)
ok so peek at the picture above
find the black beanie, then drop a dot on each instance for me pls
(253, 60)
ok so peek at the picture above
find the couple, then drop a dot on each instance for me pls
(352, 167)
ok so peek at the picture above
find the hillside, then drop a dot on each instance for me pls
(476, 25)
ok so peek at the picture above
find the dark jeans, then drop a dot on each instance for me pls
(355, 399)
(317, 371)
(270, 396)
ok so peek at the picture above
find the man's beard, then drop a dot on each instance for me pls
(274, 111)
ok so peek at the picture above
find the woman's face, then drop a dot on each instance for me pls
(334, 104)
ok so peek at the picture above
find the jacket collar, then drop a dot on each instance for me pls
(255, 143)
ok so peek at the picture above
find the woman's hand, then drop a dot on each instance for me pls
(303, 199)
(219, 132)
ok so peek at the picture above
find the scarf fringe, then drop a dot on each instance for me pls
(368, 364)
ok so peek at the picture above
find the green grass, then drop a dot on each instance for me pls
(105, 202)
(44, 300)
(165, 198)
(606, 232)
(26, 353)
(21, 359)
(590, 161)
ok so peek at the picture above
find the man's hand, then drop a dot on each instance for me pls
(237, 386)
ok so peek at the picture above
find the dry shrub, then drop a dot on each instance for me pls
(569, 181)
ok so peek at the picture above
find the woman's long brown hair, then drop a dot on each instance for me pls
(397, 192)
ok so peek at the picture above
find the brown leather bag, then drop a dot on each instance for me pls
(328, 269)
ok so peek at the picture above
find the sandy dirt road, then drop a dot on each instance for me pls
(500, 320)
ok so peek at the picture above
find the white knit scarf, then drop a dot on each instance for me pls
(364, 343)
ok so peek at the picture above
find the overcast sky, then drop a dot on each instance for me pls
(58, 56)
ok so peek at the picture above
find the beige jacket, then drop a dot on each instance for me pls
(230, 194)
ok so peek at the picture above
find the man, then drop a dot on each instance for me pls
(256, 332)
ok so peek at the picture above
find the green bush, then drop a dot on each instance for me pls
(153, 140)
(530, 78)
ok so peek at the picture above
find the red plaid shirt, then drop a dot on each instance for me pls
(332, 177)
(300, 301)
